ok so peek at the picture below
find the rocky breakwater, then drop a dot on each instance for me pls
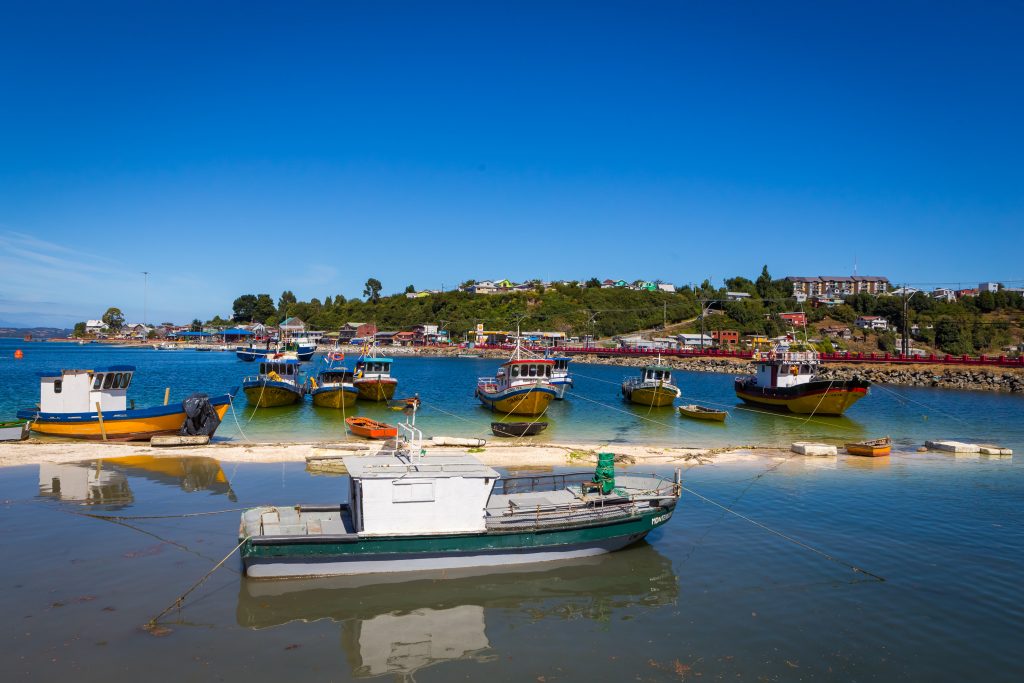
(729, 366)
(940, 376)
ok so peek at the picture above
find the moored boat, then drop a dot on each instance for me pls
(14, 430)
(701, 413)
(278, 383)
(332, 387)
(518, 428)
(787, 380)
(561, 379)
(93, 404)
(653, 387)
(521, 387)
(371, 429)
(373, 377)
(874, 448)
(409, 512)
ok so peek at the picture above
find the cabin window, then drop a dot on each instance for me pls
(125, 379)
(515, 370)
(98, 382)
(108, 380)
(533, 371)
(414, 492)
(263, 368)
(58, 385)
(547, 370)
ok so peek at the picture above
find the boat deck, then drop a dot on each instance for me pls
(298, 521)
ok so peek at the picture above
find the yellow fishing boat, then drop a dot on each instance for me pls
(372, 376)
(522, 386)
(701, 413)
(93, 404)
(277, 384)
(653, 387)
(788, 380)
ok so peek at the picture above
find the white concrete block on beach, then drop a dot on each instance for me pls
(989, 449)
(811, 448)
(953, 446)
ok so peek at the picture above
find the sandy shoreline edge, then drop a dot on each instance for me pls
(500, 455)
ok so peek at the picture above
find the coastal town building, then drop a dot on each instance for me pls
(724, 338)
(872, 322)
(837, 286)
(836, 332)
(350, 331)
(795, 318)
(737, 296)
(943, 294)
(692, 341)
(94, 326)
(988, 287)
(292, 325)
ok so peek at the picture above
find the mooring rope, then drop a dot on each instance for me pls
(795, 541)
(181, 598)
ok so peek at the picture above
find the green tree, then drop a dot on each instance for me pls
(244, 307)
(113, 319)
(264, 309)
(79, 330)
(372, 290)
(197, 325)
(593, 282)
(409, 289)
(953, 337)
(286, 300)
(764, 284)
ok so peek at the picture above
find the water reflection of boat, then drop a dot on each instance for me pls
(106, 481)
(436, 618)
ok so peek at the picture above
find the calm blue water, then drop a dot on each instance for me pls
(710, 597)
(594, 412)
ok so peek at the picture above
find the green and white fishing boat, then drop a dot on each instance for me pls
(410, 511)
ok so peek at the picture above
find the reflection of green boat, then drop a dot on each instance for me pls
(638, 575)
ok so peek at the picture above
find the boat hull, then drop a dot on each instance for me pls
(655, 396)
(376, 389)
(270, 394)
(249, 355)
(267, 558)
(710, 416)
(334, 397)
(561, 386)
(533, 400)
(371, 429)
(14, 431)
(121, 425)
(868, 451)
(819, 397)
(518, 429)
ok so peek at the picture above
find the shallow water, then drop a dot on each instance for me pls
(709, 596)
(594, 411)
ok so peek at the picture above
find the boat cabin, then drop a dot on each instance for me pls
(526, 371)
(392, 495)
(286, 370)
(785, 368)
(374, 368)
(78, 391)
(335, 376)
(561, 367)
(656, 373)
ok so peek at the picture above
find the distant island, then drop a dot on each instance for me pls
(33, 332)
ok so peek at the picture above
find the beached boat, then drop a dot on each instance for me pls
(279, 383)
(653, 387)
(371, 429)
(701, 413)
(15, 430)
(875, 448)
(373, 377)
(787, 380)
(93, 404)
(561, 380)
(332, 387)
(409, 512)
(518, 428)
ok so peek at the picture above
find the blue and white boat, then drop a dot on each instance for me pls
(561, 380)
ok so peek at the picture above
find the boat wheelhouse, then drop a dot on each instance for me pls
(522, 386)
(373, 377)
(279, 383)
(93, 404)
(561, 380)
(332, 387)
(409, 512)
(653, 387)
(787, 380)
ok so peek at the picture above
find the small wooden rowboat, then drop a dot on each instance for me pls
(16, 430)
(701, 413)
(873, 449)
(371, 429)
(518, 428)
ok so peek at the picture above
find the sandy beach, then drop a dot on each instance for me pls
(499, 454)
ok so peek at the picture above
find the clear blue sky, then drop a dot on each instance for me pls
(253, 147)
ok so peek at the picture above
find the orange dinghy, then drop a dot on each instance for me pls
(371, 429)
(873, 449)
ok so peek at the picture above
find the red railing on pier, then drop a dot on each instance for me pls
(837, 357)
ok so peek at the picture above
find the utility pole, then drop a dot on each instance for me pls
(664, 315)
(905, 346)
(145, 296)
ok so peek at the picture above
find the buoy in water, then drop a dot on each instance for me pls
(18, 354)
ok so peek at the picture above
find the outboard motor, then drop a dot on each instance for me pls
(200, 417)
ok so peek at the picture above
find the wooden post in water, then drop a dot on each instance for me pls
(103, 429)
(167, 395)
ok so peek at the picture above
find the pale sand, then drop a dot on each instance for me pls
(501, 455)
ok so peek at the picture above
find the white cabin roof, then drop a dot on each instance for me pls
(426, 467)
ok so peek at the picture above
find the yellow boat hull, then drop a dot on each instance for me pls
(270, 397)
(830, 401)
(336, 398)
(130, 429)
(376, 390)
(653, 396)
(522, 402)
